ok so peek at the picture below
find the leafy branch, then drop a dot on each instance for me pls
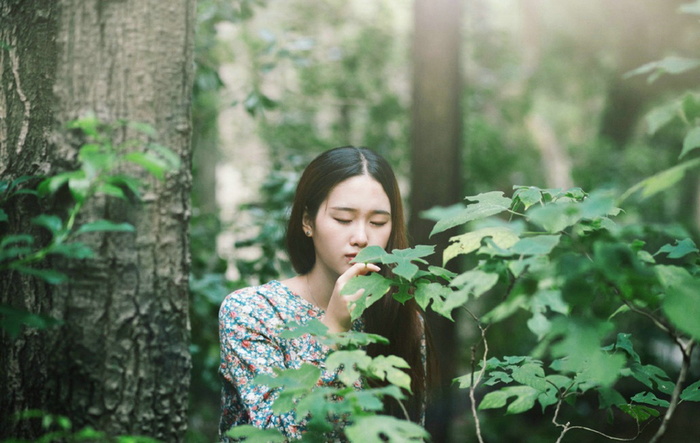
(98, 174)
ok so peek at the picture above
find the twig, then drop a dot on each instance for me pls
(475, 382)
(675, 397)
(567, 427)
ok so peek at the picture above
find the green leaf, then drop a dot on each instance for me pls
(370, 254)
(14, 319)
(79, 188)
(680, 249)
(692, 392)
(538, 245)
(374, 286)
(389, 368)
(104, 225)
(305, 377)
(624, 343)
(51, 222)
(431, 292)
(144, 128)
(661, 116)
(650, 399)
(3, 215)
(525, 397)
(89, 124)
(639, 412)
(487, 204)
(155, 165)
(661, 181)
(610, 397)
(72, 250)
(528, 196)
(50, 185)
(652, 377)
(168, 155)
(530, 374)
(14, 239)
(381, 428)
(49, 275)
(111, 190)
(682, 306)
(691, 141)
(471, 241)
(475, 282)
(669, 65)
(353, 363)
(404, 258)
(253, 434)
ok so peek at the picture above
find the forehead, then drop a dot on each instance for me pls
(361, 192)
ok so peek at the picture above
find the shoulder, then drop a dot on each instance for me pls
(253, 298)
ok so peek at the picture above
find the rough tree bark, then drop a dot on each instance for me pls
(435, 161)
(120, 361)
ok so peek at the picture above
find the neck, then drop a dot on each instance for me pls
(318, 287)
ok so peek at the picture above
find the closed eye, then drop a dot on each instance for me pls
(343, 221)
(378, 223)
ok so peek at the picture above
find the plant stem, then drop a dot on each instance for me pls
(675, 397)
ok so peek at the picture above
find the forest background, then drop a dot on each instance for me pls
(499, 94)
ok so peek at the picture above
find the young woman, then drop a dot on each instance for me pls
(347, 199)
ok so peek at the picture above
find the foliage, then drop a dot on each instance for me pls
(98, 174)
(60, 428)
(348, 407)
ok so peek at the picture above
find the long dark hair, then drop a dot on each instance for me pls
(401, 323)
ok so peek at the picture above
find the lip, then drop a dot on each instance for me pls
(350, 257)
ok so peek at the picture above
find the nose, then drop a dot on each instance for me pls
(359, 236)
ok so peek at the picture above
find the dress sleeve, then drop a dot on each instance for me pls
(248, 349)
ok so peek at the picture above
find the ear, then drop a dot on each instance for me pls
(306, 223)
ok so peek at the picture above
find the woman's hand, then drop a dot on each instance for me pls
(337, 317)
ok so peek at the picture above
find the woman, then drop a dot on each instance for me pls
(347, 199)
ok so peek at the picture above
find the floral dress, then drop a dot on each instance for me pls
(250, 321)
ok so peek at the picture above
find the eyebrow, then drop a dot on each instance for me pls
(376, 211)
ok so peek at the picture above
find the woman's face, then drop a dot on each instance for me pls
(356, 214)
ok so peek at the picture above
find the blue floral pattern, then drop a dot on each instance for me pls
(250, 321)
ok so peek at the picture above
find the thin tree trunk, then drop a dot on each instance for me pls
(435, 162)
(120, 361)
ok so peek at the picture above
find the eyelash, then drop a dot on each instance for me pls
(345, 222)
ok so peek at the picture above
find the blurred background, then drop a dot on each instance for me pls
(462, 97)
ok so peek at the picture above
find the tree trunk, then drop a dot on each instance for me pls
(120, 360)
(435, 161)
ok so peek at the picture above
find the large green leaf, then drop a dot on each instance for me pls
(682, 305)
(253, 434)
(388, 367)
(486, 205)
(471, 241)
(662, 115)
(351, 362)
(374, 286)
(431, 292)
(382, 428)
(650, 398)
(538, 245)
(692, 392)
(680, 249)
(691, 141)
(661, 181)
(530, 374)
(525, 397)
